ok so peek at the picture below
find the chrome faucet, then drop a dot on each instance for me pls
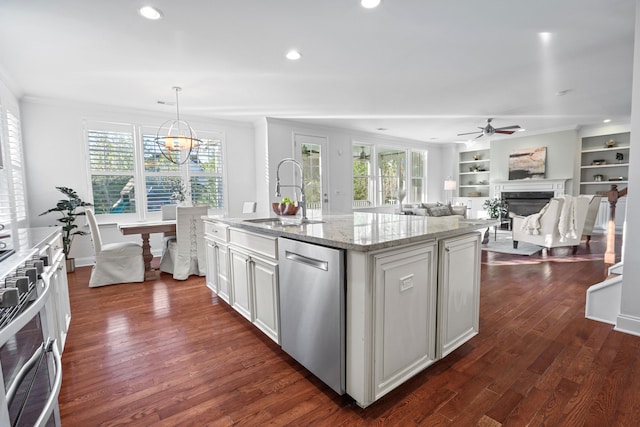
(303, 199)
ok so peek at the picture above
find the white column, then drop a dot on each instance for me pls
(629, 318)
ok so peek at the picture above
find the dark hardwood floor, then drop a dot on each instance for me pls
(168, 353)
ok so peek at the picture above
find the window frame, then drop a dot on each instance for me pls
(140, 174)
(370, 176)
(375, 176)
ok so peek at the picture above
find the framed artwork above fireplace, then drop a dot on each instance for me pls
(527, 163)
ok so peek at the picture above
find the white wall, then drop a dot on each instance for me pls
(55, 156)
(563, 156)
(339, 162)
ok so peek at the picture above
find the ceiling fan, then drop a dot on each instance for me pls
(490, 130)
(362, 156)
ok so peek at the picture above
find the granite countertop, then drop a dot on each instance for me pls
(24, 242)
(362, 231)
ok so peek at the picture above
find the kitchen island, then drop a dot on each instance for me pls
(411, 286)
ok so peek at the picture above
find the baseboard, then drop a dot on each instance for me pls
(628, 324)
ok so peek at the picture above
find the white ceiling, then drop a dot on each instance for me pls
(423, 69)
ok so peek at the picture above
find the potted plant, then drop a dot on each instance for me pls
(494, 207)
(68, 209)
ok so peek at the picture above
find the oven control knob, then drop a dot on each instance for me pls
(19, 282)
(38, 264)
(30, 272)
(9, 297)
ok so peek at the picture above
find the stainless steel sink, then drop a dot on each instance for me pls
(283, 222)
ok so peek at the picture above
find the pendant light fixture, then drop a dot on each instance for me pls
(176, 139)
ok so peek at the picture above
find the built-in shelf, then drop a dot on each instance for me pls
(603, 182)
(474, 173)
(599, 162)
(463, 162)
(602, 150)
(615, 165)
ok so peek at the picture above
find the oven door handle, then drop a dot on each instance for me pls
(24, 370)
(50, 346)
(52, 401)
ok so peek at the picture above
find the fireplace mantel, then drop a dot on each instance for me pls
(556, 185)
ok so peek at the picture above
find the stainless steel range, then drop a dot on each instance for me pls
(30, 348)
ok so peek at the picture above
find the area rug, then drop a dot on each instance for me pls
(504, 245)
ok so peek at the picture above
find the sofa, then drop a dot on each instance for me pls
(434, 209)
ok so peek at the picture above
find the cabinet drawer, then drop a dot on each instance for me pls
(217, 231)
(263, 245)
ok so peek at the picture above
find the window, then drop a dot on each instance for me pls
(418, 185)
(13, 207)
(381, 175)
(206, 174)
(114, 151)
(363, 183)
(391, 175)
(111, 162)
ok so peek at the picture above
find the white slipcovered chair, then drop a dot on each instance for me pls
(115, 262)
(186, 255)
(560, 223)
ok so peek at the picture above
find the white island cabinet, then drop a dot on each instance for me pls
(458, 292)
(254, 279)
(412, 288)
(216, 236)
(404, 314)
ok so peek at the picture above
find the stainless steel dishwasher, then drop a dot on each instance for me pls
(312, 308)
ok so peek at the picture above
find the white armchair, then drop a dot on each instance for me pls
(186, 255)
(559, 224)
(115, 262)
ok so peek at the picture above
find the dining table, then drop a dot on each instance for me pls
(145, 229)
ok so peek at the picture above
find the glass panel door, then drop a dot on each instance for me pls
(392, 176)
(309, 152)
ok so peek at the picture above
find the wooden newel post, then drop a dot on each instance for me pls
(612, 195)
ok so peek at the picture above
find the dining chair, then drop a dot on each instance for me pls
(168, 213)
(115, 262)
(186, 255)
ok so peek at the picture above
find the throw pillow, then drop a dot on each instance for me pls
(459, 210)
(443, 210)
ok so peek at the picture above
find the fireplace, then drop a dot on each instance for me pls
(525, 202)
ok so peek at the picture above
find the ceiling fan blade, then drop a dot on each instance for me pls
(508, 127)
(469, 133)
(480, 136)
(505, 132)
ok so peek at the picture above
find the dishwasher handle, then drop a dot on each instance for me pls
(311, 262)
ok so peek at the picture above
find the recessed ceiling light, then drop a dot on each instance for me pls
(521, 130)
(606, 121)
(293, 55)
(370, 4)
(150, 12)
(545, 36)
